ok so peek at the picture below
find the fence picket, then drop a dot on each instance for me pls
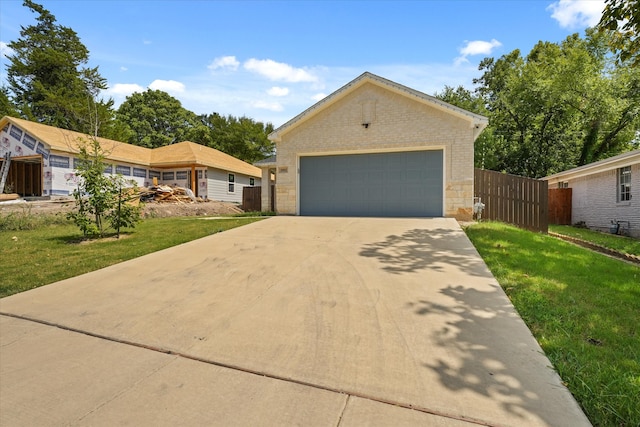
(513, 199)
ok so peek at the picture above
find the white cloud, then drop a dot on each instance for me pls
(476, 47)
(278, 71)
(228, 62)
(480, 47)
(318, 96)
(278, 91)
(124, 89)
(573, 14)
(146, 42)
(5, 50)
(243, 93)
(271, 106)
(170, 86)
(124, 69)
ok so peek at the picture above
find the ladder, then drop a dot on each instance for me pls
(4, 170)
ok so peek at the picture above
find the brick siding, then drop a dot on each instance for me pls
(595, 200)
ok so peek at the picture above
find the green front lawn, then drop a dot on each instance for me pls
(583, 309)
(35, 257)
(618, 243)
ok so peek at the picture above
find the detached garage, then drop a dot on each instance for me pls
(375, 148)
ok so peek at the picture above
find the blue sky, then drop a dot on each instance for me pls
(271, 60)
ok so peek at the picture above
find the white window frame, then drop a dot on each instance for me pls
(231, 181)
(624, 184)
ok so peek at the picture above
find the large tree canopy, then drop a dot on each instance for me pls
(561, 106)
(487, 145)
(241, 137)
(49, 81)
(6, 106)
(154, 118)
(621, 19)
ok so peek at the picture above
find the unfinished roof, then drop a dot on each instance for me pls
(615, 162)
(69, 141)
(480, 122)
(189, 153)
(183, 154)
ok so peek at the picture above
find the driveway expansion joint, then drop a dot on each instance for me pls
(276, 377)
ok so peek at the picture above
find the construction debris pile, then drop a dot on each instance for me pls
(167, 194)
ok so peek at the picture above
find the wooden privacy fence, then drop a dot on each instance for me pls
(251, 199)
(560, 206)
(513, 199)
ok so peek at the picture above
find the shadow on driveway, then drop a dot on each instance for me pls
(420, 249)
(493, 359)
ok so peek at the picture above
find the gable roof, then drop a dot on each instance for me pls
(69, 141)
(182, 154)
(615, 162)
(188, 153)
(476, 120)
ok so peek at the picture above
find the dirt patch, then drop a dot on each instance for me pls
(150, 210)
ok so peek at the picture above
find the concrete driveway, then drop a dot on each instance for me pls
(287, 321)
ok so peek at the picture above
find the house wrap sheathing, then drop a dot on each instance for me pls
(44, 160)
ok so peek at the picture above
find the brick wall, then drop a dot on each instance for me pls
(595, 200)
(398, 123)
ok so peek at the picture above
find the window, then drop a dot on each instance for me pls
(624, 180)
(139, 172)
(232, 185)
(123, 170)
(58, 161)
(252, 181)
(182, 175)
(167, 176)
(563, 184)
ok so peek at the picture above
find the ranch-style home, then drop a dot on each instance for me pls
(44, 158)
(604, 194)
(375, 148)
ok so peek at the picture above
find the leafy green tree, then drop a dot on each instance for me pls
(563, 105)
(99, 197)
(155, 119)
(240, 137)
(487, 143)
(6, 106)
(49, 81)
(621, 19)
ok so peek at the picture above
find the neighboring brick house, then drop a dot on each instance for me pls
(43, 161)
(604, 192)
(375, 148)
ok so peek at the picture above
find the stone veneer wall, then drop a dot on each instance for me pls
(397, 123)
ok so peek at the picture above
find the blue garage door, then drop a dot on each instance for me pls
(380, 184)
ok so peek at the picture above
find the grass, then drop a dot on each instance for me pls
(24, 219)
(582, 307)
(54, 250)
(618, 243)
